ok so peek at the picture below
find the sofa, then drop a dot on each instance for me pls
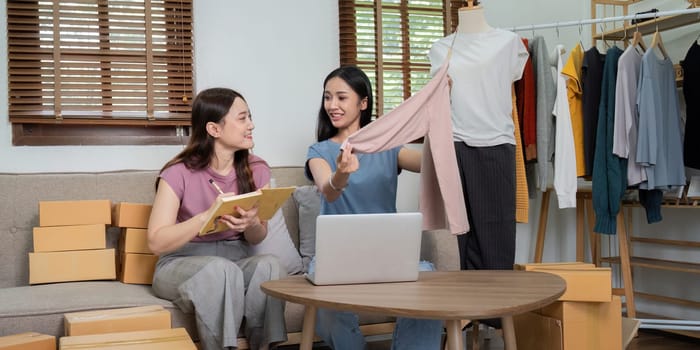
(40, 308)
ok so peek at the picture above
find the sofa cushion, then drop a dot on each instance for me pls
(308, 201)
(279, 243)
(40, 308)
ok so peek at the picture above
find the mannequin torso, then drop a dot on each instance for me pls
(472, 20)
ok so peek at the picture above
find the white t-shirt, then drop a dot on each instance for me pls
(565, 182)
(483, 68)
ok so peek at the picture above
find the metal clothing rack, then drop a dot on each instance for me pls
(690, 15)
(583, 22)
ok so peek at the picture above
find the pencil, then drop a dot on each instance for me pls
(218, 189)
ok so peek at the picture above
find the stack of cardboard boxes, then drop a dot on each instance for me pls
(135, 328)
(70, 245)
(136, 262)
(587, 316)
(70, 242)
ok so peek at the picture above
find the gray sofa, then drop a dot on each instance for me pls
(40, 308)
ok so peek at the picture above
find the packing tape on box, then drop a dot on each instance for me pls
(120, 314)
(122, 343)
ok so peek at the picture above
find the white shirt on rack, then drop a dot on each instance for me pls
(565, 182)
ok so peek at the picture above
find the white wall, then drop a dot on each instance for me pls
(276, 53)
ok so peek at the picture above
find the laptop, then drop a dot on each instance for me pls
(367, 248)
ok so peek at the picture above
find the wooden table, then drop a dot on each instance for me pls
(451, 296)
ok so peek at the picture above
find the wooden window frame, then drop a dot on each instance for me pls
(122, 74)
(376, 68)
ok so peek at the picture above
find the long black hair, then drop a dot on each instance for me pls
(359, 82)
(212, 105)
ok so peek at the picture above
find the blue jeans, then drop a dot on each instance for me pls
(341, 329)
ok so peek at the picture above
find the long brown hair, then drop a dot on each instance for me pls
(212, 105)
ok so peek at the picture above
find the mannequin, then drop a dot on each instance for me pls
(472, 19)
(483, 64)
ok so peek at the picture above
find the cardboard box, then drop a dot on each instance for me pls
(587, 325)
(593, 285)
(134, 240)
(77, 265)
(584, 282)
(28, 341)
(137, 268)
(571, 325)
(162, 339)
(84, 212)
(72, 237)
(131, 319)
(134, 215)
(536, 332)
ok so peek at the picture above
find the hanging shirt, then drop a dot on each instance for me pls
(659, 147)
(527, 110)
(564, 152)
(609, 171)
(546, 94)
(572, 70)
(522, 202)
(627, 115)
(691, 92)
(425, 114)
(592, 76)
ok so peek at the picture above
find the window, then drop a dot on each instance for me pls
(99, 71)
(396, 57)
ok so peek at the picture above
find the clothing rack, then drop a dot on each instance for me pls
(581, 23)
(668, 324)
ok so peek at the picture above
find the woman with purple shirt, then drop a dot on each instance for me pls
(214, 276)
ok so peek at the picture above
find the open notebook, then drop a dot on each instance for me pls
(367, 248)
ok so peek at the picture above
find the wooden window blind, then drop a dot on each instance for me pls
(395, 58)
(99, 71)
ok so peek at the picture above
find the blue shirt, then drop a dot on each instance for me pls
(371, 189)
(609, 170)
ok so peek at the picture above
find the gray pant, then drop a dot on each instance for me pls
(220, 283)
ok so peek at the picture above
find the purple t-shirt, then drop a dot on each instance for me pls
(197, 194)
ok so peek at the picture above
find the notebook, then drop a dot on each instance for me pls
(367, 248)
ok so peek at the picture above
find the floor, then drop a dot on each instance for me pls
(647, 340)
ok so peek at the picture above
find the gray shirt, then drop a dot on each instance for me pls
(626, 113)
(659, 147)
(546, 94)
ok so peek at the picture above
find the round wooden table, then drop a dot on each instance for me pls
(445, 295)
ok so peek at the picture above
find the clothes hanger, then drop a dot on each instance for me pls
(580, 35)
(602, 37)
(625, 39)
(562, 50)
(657, 42)
(638, 40)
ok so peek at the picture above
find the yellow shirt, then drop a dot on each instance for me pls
(572, 69)
(522, 197)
